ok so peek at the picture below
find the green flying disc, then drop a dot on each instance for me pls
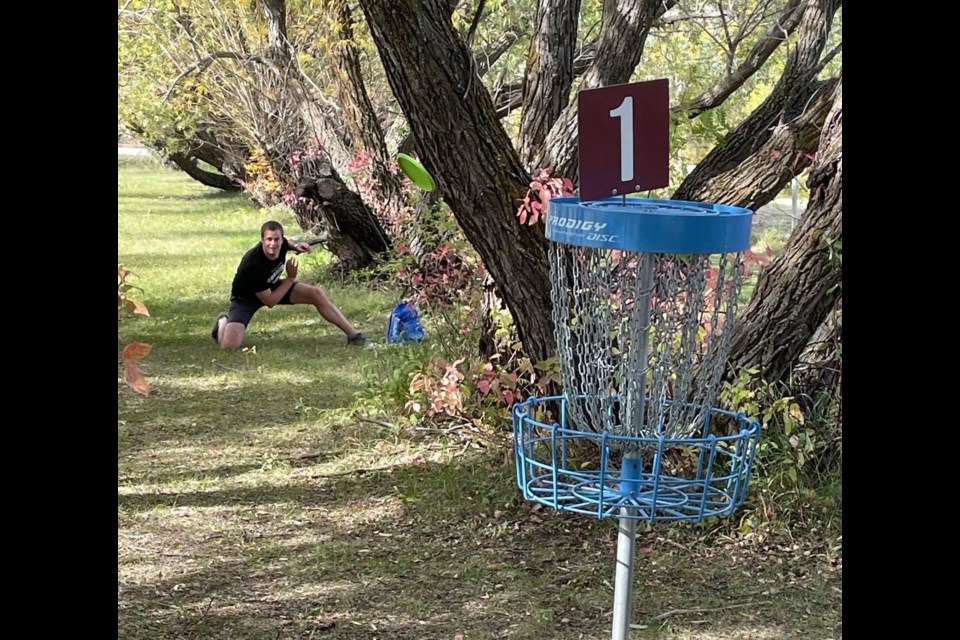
(415, 171)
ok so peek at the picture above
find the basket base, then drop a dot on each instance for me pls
(663, 499)
(714, 481)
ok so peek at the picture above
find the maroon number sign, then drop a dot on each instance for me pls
(624, 138)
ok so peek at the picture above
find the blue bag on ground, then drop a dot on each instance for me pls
(404, 324)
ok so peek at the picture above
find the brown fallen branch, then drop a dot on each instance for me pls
(358, 472)
(382, 423)
(664, 616)
(315, 455)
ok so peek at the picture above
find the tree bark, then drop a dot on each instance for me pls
(352, 233)
(457, 132)
(227, 158)
(226, 155)
(508, 97)
(549, 73)
(820, 365)
(799, 288)
(784, 154)
(778, 32)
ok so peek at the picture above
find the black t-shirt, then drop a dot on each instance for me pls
(257, 273)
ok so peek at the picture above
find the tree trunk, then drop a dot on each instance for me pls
(549, 74)
(226, 157)
(352, 232)
(507, 97)
(820, 365)
(799, 288)
(459, 137)
(623, 34)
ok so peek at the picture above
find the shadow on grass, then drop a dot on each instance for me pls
(429, 551)
(259, 546)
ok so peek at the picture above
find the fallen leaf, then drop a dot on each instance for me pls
(134, 377)
(136, 351)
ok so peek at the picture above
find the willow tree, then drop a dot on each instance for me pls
(224, 83)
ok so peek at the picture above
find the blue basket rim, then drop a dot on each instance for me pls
(649, 225)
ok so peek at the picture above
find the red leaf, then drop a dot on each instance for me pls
(136, 351)
(139, 307)
(134, 378)
(484, 386)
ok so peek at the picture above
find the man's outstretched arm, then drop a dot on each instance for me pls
(299, 247)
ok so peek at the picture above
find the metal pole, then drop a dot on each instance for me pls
(623, 589)
(631, 470)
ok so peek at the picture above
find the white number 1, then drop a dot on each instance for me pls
(625, 113)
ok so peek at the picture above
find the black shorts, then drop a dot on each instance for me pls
(242, 310)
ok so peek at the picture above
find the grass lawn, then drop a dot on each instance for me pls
(258, 499)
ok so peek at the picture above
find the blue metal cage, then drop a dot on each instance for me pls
(674, 479)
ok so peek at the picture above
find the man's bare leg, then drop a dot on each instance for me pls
(231, 334)
(308, 294)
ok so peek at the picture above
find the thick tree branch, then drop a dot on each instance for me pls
(508, 97)
(788, 101)
(189, 166)
(785, 25)
(488, 56)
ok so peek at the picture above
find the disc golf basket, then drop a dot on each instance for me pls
(644, 294)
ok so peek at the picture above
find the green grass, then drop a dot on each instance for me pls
(256, 501)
